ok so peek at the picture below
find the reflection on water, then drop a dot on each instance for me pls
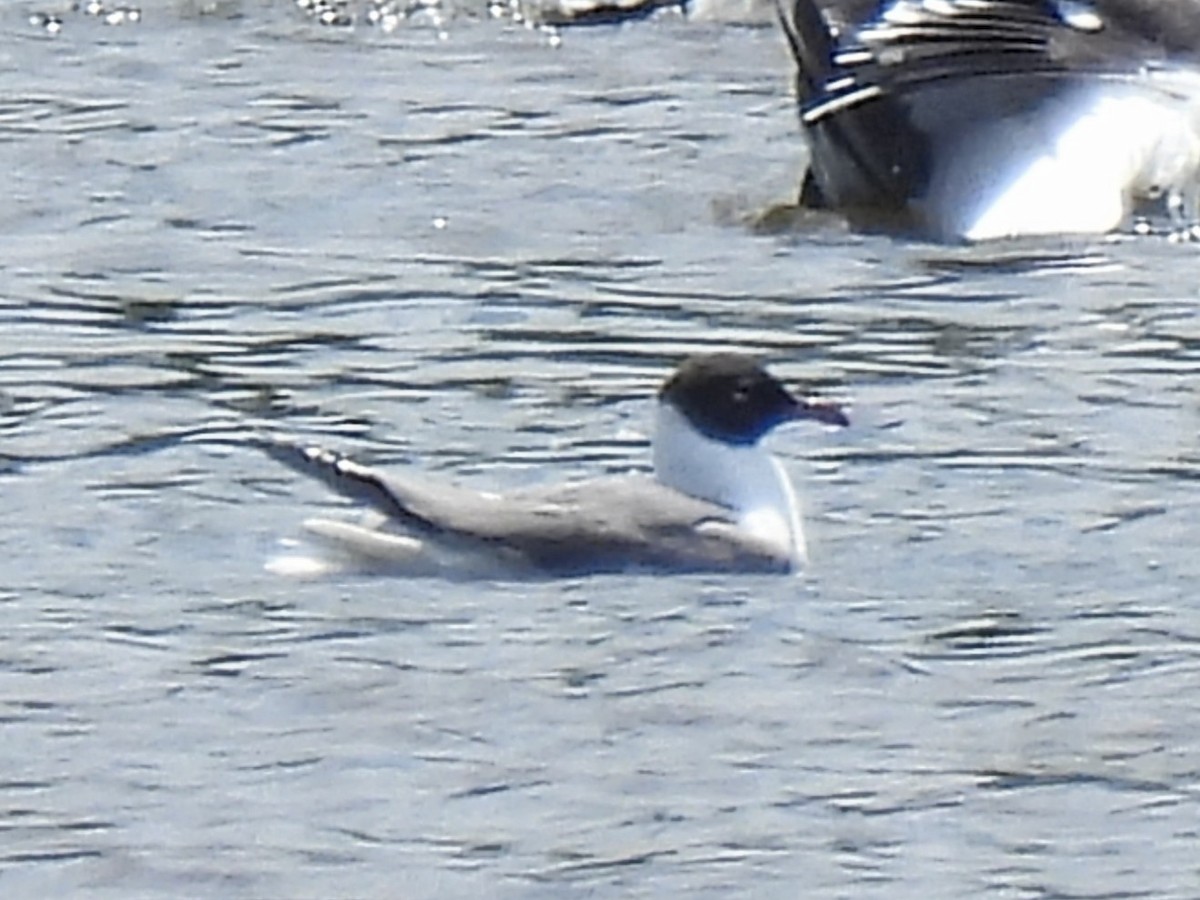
(478, 255)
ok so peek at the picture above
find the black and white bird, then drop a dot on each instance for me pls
(979, 119)
(717, 500)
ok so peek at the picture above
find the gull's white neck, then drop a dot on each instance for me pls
(747, 480)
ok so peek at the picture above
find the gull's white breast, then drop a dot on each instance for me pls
(747, 480)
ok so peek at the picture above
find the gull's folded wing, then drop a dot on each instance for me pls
(609, 524)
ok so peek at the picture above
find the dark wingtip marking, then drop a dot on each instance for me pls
(345, 476)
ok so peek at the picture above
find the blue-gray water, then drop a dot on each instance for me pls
(471, 248)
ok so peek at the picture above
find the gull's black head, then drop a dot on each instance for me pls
(730, 397)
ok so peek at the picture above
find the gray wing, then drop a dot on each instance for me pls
(629, 522)
(424, 509)
(609, 524)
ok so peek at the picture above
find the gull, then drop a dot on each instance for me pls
(717, 501)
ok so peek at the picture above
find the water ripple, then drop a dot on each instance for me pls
(478, 254)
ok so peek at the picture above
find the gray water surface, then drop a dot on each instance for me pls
(476, 248)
